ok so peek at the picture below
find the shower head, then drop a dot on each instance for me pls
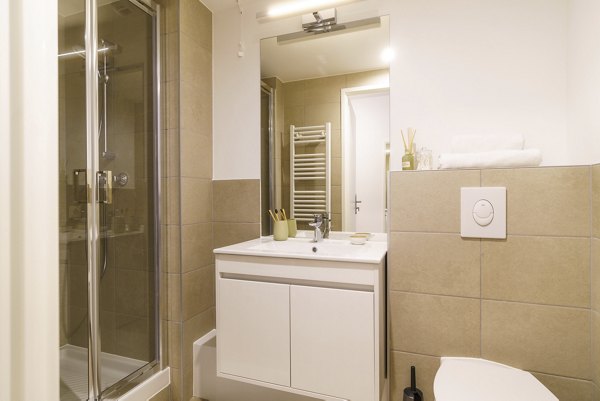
(108, 155)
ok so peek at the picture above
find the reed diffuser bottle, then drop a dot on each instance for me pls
(408, 160)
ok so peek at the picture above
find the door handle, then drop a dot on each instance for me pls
(356, 202)
(104, 181)
(80, 189)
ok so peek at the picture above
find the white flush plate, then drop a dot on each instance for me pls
(483, 212)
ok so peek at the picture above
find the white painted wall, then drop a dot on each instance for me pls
(29, 363)
(485, 67)
(462, 67)
(584, 81)
(5, 254)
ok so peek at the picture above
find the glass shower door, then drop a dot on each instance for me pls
(127, 267)
(74, 316)
(109, 218)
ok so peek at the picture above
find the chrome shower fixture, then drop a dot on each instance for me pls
(104, 47)
(320, 21)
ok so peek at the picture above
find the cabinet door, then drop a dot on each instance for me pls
(333, 345)
(254, 330)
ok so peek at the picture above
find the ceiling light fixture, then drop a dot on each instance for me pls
(388, 54)
(290, 8)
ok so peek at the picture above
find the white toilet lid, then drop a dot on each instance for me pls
(473, 379)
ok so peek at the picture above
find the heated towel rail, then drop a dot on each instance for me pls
(310, 171)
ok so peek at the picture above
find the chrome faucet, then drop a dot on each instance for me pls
(316, 224)
(326, 224)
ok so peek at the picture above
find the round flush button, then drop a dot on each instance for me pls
(483, 212)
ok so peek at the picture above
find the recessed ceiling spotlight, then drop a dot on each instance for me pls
(295, 7)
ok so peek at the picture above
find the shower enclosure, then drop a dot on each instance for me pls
(109, 195)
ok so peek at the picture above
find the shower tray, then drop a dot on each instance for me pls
(74, 370)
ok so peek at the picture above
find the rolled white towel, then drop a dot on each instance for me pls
(493, 159)
(486, 143)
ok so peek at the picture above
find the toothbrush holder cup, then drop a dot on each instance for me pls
(280, 230)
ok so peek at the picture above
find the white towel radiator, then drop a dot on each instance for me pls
(305, 166)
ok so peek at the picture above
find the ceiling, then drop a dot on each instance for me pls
(325, 55)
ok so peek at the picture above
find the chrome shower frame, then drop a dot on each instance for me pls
(95, 392)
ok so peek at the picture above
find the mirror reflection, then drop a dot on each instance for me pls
(325, 126)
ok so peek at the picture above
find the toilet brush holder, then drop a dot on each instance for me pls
(412, 393)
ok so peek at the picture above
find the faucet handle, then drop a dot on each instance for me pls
(318, 220)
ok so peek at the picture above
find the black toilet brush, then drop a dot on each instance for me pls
(412, 393)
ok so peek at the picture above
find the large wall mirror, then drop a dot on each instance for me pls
(325, 126)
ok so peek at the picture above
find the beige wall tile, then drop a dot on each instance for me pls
(172, 189)
(547, 339)
(196, 105)
(567, 389)
(545, 201)
(426, 368)
(173, 249)
(195, 61)
(429, 201)
(196, 154)
(232, 233)
(174, 297)
(172, 58)
(175, 336)
(198, 291)
(596, 200)
(318, 114)
(131, 251)
(545, 270)
(336, 143)
(196, 200)
(196, 21)
(132, 292)
(435, 325)
(196, 246)
(133, 337)
(236, 201)
(443, 264)
(596, 274)
(163, 395)
(596, 347)
(324, 90)
(176, 384)
(293, 94)
(170, 150)
(108, 332)
(294, 115)
(172, 106)
(336, 171)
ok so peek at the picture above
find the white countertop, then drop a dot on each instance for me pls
(340, 250)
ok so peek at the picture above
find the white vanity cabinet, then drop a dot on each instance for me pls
(307, 326)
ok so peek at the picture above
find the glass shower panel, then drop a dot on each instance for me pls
(126, 142)
(124, 214)
(74, 317)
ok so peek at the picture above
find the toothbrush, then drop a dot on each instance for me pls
(272, 216)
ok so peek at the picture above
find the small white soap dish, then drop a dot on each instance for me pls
(358, 239)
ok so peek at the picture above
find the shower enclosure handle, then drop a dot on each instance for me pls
(80, 188)
(105, 182)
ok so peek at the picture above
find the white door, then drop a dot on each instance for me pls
(366, 177)
(333, 344)
(254, 330)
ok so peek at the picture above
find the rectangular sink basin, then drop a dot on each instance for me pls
(303, 248)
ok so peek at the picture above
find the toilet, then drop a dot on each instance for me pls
(474, 379)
